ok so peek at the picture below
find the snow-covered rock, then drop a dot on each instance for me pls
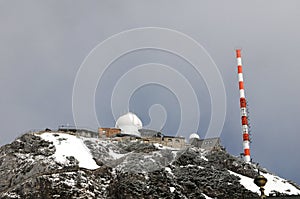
(69, 145)
(61, 165)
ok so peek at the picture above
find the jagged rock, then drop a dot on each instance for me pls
(28, 169)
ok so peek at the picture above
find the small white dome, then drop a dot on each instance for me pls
(194, 136)
(129, 124)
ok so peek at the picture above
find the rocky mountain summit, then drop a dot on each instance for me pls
(61, 165)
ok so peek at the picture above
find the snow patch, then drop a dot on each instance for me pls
(174, 154)
(70, 145)
(168, 169)
(274, 183)
(172, 189)
(115, 155)
(204, 158)
(159, 146)
(12, 195)
(207, 197)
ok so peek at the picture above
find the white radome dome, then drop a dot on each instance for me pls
(129, 124)
(194, 136)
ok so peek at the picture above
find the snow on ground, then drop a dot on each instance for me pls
(11, 195)
(207, 197)
(70, 145)
(274, 183)
(116, 155)
(168, 169)
(191, 165)
(159, 146)
(172, 189)
(203, 158)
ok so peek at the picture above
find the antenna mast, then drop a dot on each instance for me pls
(243, 107)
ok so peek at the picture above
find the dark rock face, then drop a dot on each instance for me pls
(188, 175)
(64, 183)
(28, 170)
(24, 158)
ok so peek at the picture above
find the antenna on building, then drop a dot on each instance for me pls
(243, 107)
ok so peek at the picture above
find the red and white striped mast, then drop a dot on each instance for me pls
(243, 106)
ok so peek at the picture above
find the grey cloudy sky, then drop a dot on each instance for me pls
(43, 44)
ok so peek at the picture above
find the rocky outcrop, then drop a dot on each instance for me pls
(24, 158)
(126, 170)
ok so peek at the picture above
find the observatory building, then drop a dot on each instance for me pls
(207, 143)
(129, 124)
